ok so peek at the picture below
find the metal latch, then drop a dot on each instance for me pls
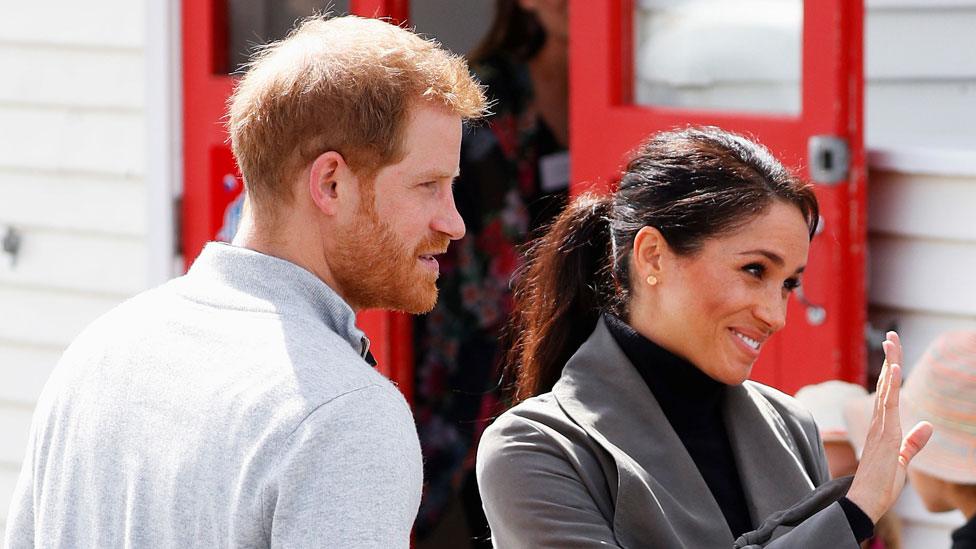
(11, 244)
(830, 159)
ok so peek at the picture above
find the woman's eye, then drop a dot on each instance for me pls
(755, 269)
(791, 284)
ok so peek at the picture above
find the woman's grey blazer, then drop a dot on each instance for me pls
(595, 463)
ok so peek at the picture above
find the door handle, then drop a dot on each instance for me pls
(829, 159)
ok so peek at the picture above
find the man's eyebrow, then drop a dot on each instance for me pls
(438, 174)
(772, 256)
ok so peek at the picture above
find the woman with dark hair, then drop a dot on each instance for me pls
(514, 178)
(638, 320)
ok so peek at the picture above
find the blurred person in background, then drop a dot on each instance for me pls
(514, 178)
(827, 402)
(237, 405)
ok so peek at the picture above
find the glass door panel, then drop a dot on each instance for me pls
(742, 56)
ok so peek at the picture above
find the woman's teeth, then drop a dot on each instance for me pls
(749, 341)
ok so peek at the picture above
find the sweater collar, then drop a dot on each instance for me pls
(233, 277)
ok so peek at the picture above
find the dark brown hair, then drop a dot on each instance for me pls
(691, 185)
(514, 32)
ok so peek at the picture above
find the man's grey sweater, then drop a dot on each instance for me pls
(231, 407)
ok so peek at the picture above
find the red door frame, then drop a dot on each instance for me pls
(207, 161)
(605, 124)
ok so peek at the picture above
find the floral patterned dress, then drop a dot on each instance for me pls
(457, 345)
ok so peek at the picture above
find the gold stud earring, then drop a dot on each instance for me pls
(652, 280)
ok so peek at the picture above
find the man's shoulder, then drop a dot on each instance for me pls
(128, 316)
(376, 410)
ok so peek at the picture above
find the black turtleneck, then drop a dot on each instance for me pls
(693, 404)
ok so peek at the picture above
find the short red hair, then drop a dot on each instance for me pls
(341, 84)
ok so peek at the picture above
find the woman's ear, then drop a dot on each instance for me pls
(328, 182)
(650, 249)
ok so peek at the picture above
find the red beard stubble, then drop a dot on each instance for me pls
(375, 269)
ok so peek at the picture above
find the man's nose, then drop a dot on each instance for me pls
(449, 220)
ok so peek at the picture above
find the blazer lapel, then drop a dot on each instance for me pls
(772, 475)
(660, 495)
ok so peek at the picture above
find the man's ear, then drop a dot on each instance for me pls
(650, 249)
(329, 182)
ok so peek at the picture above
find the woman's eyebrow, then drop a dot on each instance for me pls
(772, 256)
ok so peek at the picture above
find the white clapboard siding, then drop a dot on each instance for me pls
(48, 317)
(71, 77)
(918, 328)
(920, 72)
(106, 23)
(72, 140)
(903, 204)
(15, 423)
(924, 275)
(922, 113)
(920, 119)
(24, 369)
(72, 166)
(8, 479)
(108, 204)
(910, 43)
(104, 264)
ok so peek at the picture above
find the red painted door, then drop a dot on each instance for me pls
(211, 181)
(824, 337)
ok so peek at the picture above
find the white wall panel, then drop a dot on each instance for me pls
(14, 428)
(76, 261)
(8, 480)
(72, 140)
(917, 328)
(922, 205)
(70, 201)
(924, 113)
(47, 317)
(911, 44)
(923, 275)
(108, 23)
(65, 77)
(24, 369)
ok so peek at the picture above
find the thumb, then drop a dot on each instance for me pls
(913, 443)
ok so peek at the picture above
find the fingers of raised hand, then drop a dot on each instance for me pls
(893, 389)
(913, 443)
(896, 356)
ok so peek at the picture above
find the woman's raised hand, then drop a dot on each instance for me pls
(884, 462)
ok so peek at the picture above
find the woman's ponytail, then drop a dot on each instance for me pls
(564, 285)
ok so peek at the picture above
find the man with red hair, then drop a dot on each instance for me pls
(236, 405)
